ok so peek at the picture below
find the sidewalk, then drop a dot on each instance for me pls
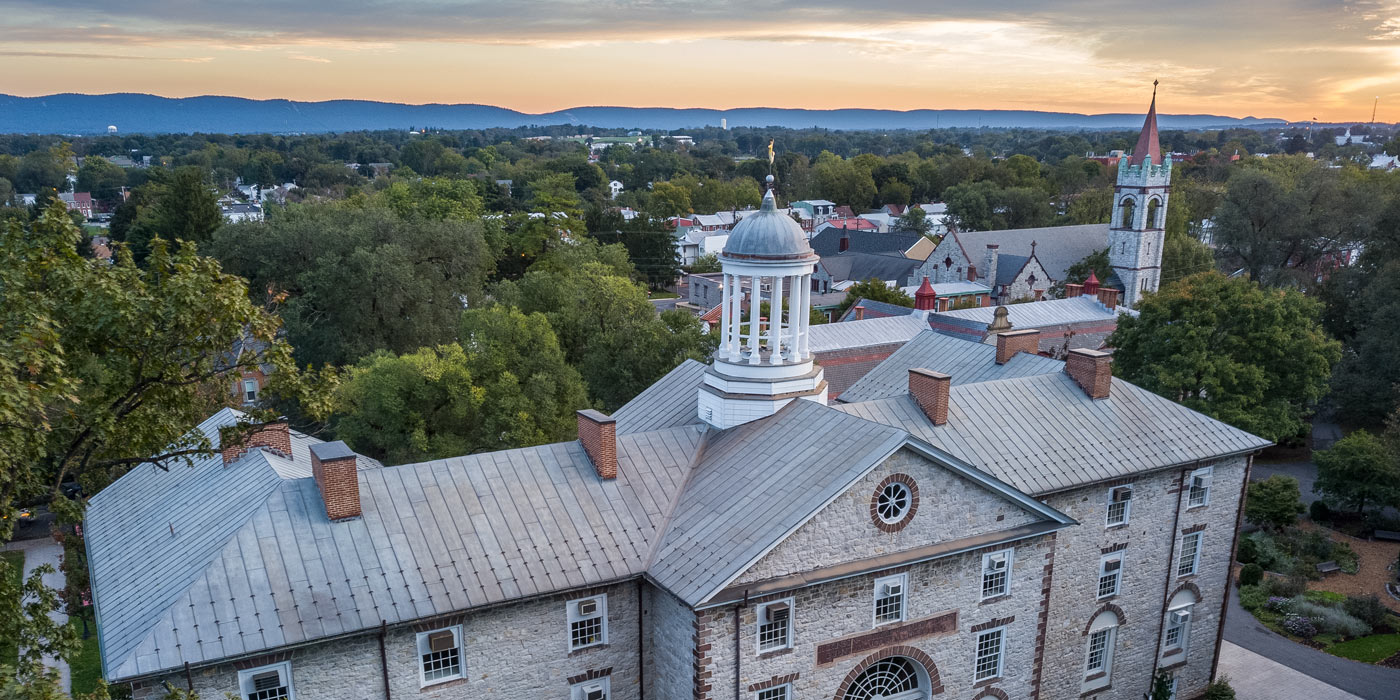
(1256, 678)
(38, 552)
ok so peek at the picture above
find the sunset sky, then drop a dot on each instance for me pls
(1294, 59)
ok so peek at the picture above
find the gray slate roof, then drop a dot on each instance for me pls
(826, 337)
(1008, 266)
(1053, 312)
(864, 266)
(965, 361)
(254, 564)
(828, 242)
(1042, 434)
(1057, 247)
(875, 309)
(668, 403)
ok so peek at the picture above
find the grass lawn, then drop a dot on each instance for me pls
(1367, 649)
(9, 650)
(86, 666)
(663, 294)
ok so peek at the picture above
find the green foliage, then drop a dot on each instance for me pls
(874, 290)
(145, 354)
(1368, 609)
(1252, 357)
(705, 264)
(1219, 689)
(505, 385)
(1250, 575)
(1364, 311)
(1357, 471)
(433, 198)
(985, 206)
(177, 206)
(1161, 686)
(1329, 618)
(1097, 262)
(913, 219)
(101, 178)
(1318, 512)
(555, 193)
(668, 200)
(1324, 598)
(1183, 255)
(1273, 502)
(650, 246)
(1369, 650)
(44, 170)
(1247, 552)
(1253, 598)
(360, 279)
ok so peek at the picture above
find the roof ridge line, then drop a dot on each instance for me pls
(665, 526)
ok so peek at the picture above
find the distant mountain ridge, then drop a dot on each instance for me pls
(71, 113)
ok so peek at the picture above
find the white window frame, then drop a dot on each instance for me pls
(579, 691)
(245, 679)
(1108, 520)
(783, 692)
(250, 395)
(1000, 653)
(987, 559)
(1198, 538)
(1110, 637)
(1205, 476)
(1183, 636)
(423, 650)
(573, 615)
(761, 611)
(1104, 561)
(901, 580)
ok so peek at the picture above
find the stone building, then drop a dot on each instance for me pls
(1021, 264)
(983, 523)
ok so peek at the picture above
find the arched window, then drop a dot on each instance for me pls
(1101, 637)
(895, 678)
(1128, 207)
(1153, 206)
(1176, 635)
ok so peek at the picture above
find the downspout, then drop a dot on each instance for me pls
(1234, 546)
(384, 657)
(641, 645)
(737, 656)
(189, 678)
(1167, 586)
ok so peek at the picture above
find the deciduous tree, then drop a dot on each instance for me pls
(1359, 470)
(874, 290)
(1274, 502)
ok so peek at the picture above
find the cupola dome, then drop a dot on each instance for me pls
(768, 235)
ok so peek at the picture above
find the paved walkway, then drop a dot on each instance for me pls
(1350, 678)
(1256, 678)
(36, 553)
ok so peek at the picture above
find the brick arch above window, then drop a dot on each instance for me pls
(1188, 586)
(1107, 608)
(990, 692)
(935, 684)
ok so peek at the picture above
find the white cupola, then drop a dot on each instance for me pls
(763, 361)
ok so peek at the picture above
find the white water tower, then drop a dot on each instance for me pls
(111, 130)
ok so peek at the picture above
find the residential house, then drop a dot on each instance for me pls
(80, 202)
(237, 212)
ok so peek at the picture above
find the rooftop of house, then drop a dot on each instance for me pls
(1057, 247)
(966, 362)
(857, 266)
(877, 330)
(828, 242)
(1053, 312)
(873, 309)
(218, 560)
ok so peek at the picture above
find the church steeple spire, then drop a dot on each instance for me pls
(1148, 145)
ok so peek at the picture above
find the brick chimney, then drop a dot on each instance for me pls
(925, 298)
(860, 313)
(1012, 342)
(930, 391)
(1092, 370)
(971, 273)
(333, 465)
(275, 437)
(598, 433)
(1108, 296)
(1073, 290)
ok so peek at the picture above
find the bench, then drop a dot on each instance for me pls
(1391, 535)
(1328, 567)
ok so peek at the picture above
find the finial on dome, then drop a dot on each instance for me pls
(770, 202)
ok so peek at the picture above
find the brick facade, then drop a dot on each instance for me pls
(1092, 370)
(930, 390)
(276, 437)
(598, 433)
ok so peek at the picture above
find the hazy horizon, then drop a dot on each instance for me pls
(1293, 59)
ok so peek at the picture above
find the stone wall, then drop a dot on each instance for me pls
(669, 645)
(1022, 288)
(1149, 545)
(948, 507)
(943, 609)
(513, 651)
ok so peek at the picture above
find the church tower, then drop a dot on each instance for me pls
(764, 360)
(1137, 229)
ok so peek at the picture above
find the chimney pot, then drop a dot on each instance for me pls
(1012, 342)
(930, 391)
(1092, 370)
(1073, 290)
(860, 313)
(275, 437)
(1108, 296)
(598, 433)
(333, 466)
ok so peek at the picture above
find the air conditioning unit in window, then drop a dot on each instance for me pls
(775, 612)
(441, 641)
(587, 608)
(1122, 494)
(1180, 617)
(267, 680)
(997, 562)
(893, 589)
(594, 692)
(1112, 565)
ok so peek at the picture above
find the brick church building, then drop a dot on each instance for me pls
(983, 523)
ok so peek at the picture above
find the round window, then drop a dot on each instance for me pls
(893, 502)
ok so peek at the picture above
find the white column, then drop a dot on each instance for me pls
(775, 322)
(724, 333)
(803, 345)
(755, 307)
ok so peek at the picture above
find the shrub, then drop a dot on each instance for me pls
(1367, 609)
(1270, 555)
(1346, 558)
(1280, 604)
(1248, 551)
(1315, 543)
(1329, 619)
(1253, 597)
(1299, 626)
(1251, 574)
(1284, 587)
(1319, 512)
(1324, 598)
(1219, 689)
